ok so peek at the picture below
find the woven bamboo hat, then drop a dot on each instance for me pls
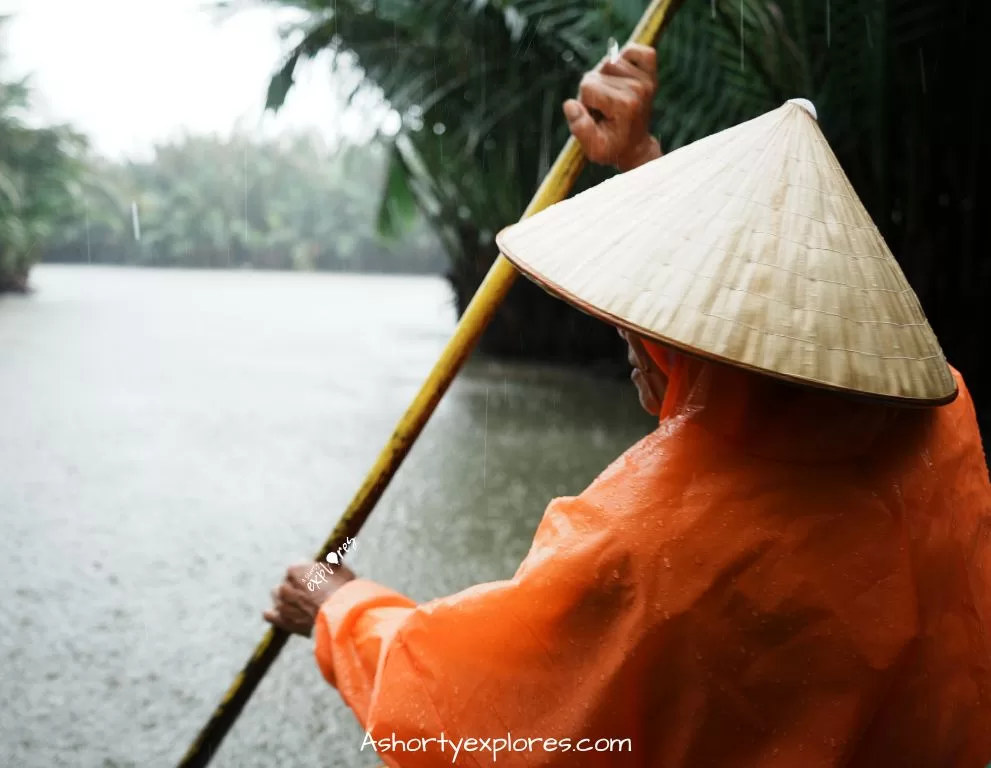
(748, 247)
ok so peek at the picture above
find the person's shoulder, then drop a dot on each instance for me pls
(675, 448)
(961, 408)
(957, 429)
(962, 391)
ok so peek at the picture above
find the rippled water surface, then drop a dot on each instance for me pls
(171, 440)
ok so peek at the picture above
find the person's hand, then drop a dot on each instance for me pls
(297, 600)
(619, 94)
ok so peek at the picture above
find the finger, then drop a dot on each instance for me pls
(295, 621)
(627, 82)
(603, 92)
(283, 614)
(620, 83)
(624, 69)
(581, 124)
(292, 600)
(290, 614)
(280, 622)
(278, 607)
(643, 57)
(297, 571)
(616, 98)
(288, 594)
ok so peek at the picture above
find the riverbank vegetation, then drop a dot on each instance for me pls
(478, 85)
(197, 201)
(205, 201)
(40, 171)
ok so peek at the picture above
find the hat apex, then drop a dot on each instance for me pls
(749, 247)
(807, 105)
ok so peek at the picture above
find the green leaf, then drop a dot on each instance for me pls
(398, 209)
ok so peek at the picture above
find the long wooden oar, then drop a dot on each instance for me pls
(555, 187)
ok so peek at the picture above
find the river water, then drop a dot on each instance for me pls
(171, 440)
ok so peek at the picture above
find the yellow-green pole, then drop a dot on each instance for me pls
(555, 187)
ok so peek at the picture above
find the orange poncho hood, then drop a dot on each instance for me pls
(766, 416)
(776, 576)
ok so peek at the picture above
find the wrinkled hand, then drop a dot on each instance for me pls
(297, 600)
(621, 94)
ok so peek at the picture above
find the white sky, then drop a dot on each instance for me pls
(132, 72)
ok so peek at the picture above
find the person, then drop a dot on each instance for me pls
(778, 575)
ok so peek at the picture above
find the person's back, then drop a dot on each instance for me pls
(813, 584)
(937, 709)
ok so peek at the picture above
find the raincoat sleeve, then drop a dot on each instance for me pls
(497, 658)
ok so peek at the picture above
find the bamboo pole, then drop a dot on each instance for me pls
(555, 187)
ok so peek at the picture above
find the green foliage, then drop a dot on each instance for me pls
(211, 202)
(479, 88)
(480, 82)
(39, 172)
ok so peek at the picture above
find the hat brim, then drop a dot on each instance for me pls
(559, 292)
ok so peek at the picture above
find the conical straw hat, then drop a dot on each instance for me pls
(748, 247)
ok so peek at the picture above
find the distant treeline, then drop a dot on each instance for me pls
(210, 202)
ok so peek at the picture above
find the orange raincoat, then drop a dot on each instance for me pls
(776, 576)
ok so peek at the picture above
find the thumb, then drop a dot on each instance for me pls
(580, 122)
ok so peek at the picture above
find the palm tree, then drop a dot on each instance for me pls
(479, 84)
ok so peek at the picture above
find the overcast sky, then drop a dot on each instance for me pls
(130, 72)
